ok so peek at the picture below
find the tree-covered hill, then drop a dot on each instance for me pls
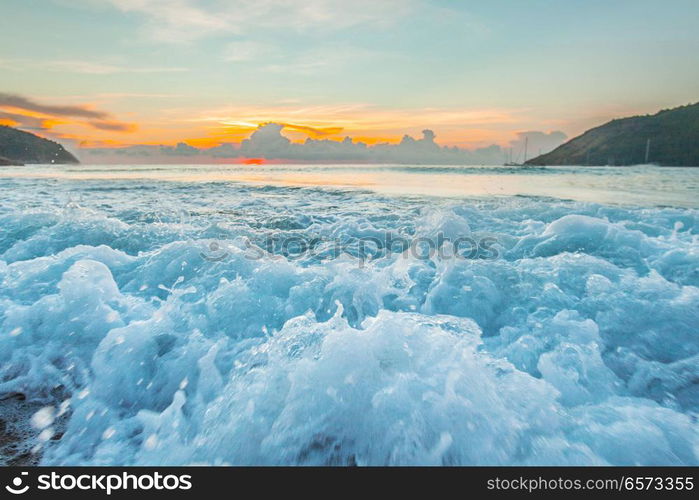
(671, 137)
(18, 147)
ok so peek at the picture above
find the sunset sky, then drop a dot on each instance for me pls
(121, 72)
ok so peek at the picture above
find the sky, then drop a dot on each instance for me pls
(113, 73)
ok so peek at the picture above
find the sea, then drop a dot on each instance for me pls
(350, 314)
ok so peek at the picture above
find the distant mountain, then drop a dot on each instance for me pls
(670, 136)
(18, 147)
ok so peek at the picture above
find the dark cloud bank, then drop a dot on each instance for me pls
(268, 142)
(90, 117)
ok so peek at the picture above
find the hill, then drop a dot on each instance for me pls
(18, 147)
(671, 136)
(4, 162)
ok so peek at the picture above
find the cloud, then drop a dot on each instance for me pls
(267, 141)
(24, 121)
(313, 131)
(132, 95)
(113, 125)
(26, 113)
(17, 101)
(365, 119)
(186, 20)
(83, 67)
(93, 68)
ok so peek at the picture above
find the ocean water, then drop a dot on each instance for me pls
(263, 314)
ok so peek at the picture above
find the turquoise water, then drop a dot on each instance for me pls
(163, 312)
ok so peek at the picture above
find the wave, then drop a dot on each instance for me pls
(146, 333)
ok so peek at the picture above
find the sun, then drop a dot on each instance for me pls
(253, 161)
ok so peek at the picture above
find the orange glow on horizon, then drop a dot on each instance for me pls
(253, 161)
(362, 123)
(102, 143)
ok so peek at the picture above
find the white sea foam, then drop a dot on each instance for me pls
(578, 344)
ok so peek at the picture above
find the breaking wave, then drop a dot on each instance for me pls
(578, 344)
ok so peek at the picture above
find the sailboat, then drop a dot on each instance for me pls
(515, 164)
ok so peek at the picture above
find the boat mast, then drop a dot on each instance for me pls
(647, 150)
(526, 143)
